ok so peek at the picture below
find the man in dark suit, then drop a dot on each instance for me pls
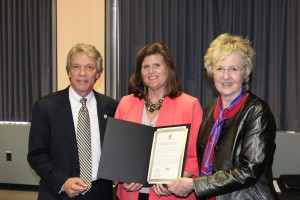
(53, 141)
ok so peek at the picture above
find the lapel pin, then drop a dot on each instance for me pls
(105, 116)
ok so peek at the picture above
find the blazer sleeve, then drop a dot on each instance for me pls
(191, 163)
(184, 109)
(39, 150)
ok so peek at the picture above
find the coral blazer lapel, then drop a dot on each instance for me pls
(166, 113)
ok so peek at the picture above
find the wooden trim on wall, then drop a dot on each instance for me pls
(79, 22)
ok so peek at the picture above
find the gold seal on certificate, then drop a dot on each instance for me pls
(167, 154)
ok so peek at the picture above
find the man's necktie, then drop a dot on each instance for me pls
(84, 144)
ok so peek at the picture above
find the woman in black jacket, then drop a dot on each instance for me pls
(236, 142)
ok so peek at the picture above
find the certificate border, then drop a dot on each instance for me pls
(185, 132)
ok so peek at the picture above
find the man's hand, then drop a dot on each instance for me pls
(132, 187)
(74, 186)
(160, 190)
(181, 187)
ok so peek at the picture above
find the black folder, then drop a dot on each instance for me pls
(291, 182)
(126, 151)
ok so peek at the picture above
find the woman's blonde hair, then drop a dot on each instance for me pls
(226, 44)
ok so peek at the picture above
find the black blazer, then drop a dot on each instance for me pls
(243, 156)
(52, 141)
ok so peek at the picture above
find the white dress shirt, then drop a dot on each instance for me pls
(91, 104)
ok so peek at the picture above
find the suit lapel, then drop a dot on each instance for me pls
(102, 115)
(136, 112)
(166, 113)
(64, 113)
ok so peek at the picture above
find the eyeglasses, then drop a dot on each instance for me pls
(231, 70)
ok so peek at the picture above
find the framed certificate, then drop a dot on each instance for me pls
(133, 152)
(167, 154)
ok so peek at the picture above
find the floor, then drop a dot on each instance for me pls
(11, 194)
(17, 195)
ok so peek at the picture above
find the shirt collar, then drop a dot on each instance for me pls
(77, 97)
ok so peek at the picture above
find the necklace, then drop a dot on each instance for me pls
(151, 106)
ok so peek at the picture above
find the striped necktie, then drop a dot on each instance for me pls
(84, 144)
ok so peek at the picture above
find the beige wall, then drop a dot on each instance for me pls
(79, 21)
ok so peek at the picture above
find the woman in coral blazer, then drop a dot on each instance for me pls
(156, 80)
